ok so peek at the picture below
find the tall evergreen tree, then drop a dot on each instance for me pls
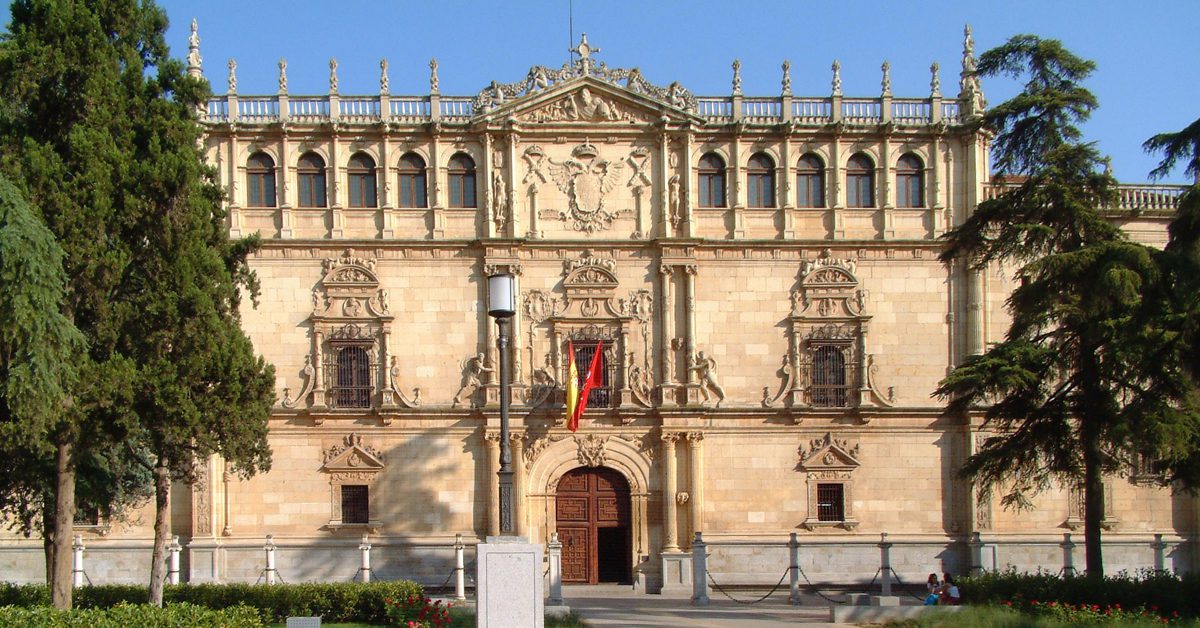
(1057, 390)
(100, 131)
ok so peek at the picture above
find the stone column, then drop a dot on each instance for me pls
(334, 185)
(662, 199)
(973, 186)
(318, 391)
(387, 204)
(787, 201)
(234, 189)
(510, 181)
(520, 524)
(696, 479)
(670, 488)
(666, 272)
(689, 342)
(492, 441)
(733, 187)
(687, 202)
(833, 182)
(884, 185)
(433, 186)
(483, 189)
(285, 187)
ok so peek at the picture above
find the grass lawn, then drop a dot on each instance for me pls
(999, 617)
(466, 619)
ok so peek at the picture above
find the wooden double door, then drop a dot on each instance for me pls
(592, 512)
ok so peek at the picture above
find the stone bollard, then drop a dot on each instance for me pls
(1068, 548)
(885, 564)
(976, 545)
(364, 548)
(77, 561)
(173, 561)
(270, 549)
(1160, 562)
(460, 585)
(555, 548)
(699, 572)
(794, 569)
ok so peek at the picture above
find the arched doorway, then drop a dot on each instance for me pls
(593, 523)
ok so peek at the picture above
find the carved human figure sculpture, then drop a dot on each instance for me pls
(473, 371)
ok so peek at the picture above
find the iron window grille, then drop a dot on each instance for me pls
(350, 368)
(601, 395)
(829, 378)
(831, 504)
(356, 506)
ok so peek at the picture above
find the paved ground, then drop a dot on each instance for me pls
(613, 605)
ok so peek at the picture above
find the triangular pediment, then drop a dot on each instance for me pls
(352, 455)
(592, 101)
(829, 453)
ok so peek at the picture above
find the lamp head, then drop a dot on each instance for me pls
(502, 295)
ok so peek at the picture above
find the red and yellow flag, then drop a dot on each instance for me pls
(592, 380)
(572, 387)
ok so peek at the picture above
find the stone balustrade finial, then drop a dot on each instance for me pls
(384, 84)
(737, 77)
(434, 82)
(333, 77)
(283, 88)
(886, 83)
(193, 58)
(232, 76)
(837, 77)
(787, 78)
(935, 82)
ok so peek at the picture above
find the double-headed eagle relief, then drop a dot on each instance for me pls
(585, 178)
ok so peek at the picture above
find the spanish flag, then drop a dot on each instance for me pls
(593, 379)
(572, 387)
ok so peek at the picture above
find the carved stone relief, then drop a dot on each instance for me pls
(586, 178)
(591, 450)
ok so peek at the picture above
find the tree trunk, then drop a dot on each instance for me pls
(1093, 497)
(48, 536)
(162, 530)
(64, 517)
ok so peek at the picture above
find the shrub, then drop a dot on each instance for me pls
(335, 602)
(417, 611)
(124, 615)
(1164, 594)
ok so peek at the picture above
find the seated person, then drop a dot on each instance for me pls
(949, 593)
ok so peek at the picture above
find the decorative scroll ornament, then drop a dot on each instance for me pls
(394, 381)
(309, 378)
(535, 445)
(541, 78)
(586, 178)
(591, 450)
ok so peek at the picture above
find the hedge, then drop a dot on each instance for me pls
(126, 615)
(335, 602)
(1162, 593)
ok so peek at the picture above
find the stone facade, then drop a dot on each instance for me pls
(771, 332)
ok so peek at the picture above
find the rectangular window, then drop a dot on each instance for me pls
(600, 395)
(261, 190)
(761, 193)
(462, 190)
(712, 190)
(362, 190)
(356, 507)
(909, 190)
(809, 192)
(312, 190)
(860, 192)
(831, 505)
(352, 387)
(412, 190)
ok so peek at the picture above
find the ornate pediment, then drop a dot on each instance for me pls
(829, 454)
(590, 271)
(829, 289)
(352, 455)
(350, 289)
(556, 94)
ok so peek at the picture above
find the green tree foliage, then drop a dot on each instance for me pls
(102, 133)
(1065, 395)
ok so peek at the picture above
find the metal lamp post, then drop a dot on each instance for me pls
(502, 304)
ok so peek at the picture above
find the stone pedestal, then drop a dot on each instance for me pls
(677, 573)
(509, 581)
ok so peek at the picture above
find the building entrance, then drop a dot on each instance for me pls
(592, 510)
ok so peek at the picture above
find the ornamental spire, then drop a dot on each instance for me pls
(283, 76)
(837, 77)
(232, 76)
(935, 82)
(434, 82)
(585, 52)
(787, 78)
(886, 83)
(384, 85)
(737, 77)
(333, 79)
(969, 78)
(193, 58)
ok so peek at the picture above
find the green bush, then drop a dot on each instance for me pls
(124, 615)
(1164, 594)
(335, 602)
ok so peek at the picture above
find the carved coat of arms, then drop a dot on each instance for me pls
(586, 178)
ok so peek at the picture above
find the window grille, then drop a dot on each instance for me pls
(600, 395)
(828, 385)
(356, 507)
(351, 370)
(831, 505)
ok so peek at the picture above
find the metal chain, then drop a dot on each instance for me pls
(756, 601)
(905, 586)
(826, 597)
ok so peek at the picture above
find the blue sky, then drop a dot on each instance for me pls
(1147, 81)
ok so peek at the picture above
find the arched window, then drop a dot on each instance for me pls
(462, 181)
(860, 181)
(260, 180)
(412, 181)
(712, 181)
(829, 388)
(910, 186)
(353, 379)
(810, 182)
(362, 180)
(760, 179)
(311, 172)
